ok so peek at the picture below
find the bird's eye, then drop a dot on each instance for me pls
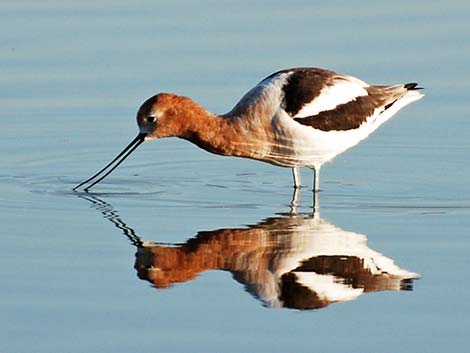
(151, 118)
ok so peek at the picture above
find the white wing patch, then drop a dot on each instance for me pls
(344, 89)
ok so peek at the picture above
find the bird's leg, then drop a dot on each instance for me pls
(316, 191)
(295, 201)
(316, 180)
(296, 175)
(316, 205)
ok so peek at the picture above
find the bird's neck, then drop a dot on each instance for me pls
(209, 131)
(229, 134)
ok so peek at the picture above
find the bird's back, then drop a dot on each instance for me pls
(315, 114)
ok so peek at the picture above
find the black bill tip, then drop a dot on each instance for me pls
(108, 168)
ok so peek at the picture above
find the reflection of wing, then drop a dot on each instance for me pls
(290, 261)
(296, 262)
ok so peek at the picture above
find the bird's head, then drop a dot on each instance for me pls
(164, 115)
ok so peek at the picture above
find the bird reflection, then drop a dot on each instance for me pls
(292, 260)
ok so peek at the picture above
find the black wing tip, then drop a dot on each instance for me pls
(412, 86)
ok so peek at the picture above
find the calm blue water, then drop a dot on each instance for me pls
(72, 78)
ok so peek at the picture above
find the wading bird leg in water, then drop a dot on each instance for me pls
(296, 175)
(295, 201)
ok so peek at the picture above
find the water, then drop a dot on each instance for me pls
(73, 75)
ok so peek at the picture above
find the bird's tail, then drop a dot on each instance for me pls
(401, 95)
(413, 92)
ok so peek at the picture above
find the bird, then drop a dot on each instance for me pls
(293, 118)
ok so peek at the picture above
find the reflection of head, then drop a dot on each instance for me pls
(164, 266)
(294, 262)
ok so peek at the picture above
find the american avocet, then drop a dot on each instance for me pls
(299, 117)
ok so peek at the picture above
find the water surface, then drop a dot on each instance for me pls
(73, 281)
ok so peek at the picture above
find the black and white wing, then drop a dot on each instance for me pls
(326, 100)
